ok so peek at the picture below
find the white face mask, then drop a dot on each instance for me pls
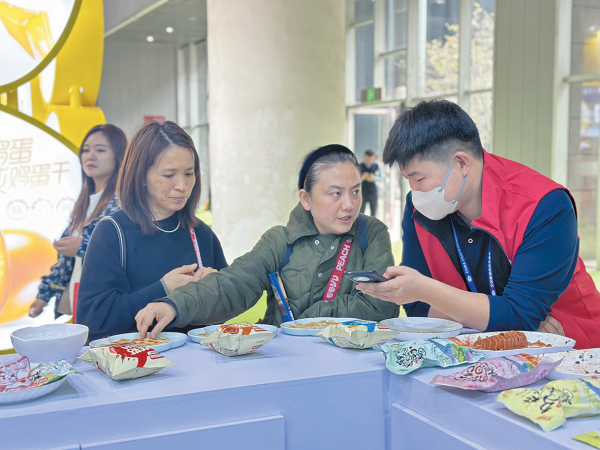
(432, 203)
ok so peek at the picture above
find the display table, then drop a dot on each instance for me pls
(294, 393)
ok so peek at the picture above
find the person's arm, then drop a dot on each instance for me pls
(220, 296)
(51, 283)
(378, 257)
(542, 270)
(413, 257)
(106, 303)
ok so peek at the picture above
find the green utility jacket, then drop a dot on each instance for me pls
(220, 296)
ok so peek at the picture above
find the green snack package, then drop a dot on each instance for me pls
(407, 356)
(592, 438)
(46, 373)
(551, 405)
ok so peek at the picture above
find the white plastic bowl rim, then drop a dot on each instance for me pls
(49, 331)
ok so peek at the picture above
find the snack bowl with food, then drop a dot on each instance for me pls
(163, 342)
(197, 335)
(311, 326)
(496, 343)
(575, 364)
(50, 342)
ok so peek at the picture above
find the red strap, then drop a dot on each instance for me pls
(336, 277)
(75, 292)
(196, 249)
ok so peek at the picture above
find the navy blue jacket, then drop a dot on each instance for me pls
(110, 297)
(540, 272)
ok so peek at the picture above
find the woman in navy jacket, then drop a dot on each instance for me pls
(155, 244)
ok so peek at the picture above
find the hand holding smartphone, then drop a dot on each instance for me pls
(365, 276)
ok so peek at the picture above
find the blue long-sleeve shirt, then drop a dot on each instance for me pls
(109, 296)
(541, 271)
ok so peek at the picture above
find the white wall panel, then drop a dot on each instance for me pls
(138, 80)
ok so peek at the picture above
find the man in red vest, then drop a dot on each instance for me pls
(487, 242)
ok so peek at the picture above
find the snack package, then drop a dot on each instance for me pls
(125, 362)
(18, 375)
(499, 374)
(15, 376)
(46, 373)
(407, 356)
(357, 334)
(551, 405)
(237, 339)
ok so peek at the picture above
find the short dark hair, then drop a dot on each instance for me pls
(432, 130)
(150, 141)
(369, 152)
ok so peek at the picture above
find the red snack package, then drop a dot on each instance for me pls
(125, 362)
(15, 376)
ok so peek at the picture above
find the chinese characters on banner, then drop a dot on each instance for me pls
(40, 179)
(17, 171)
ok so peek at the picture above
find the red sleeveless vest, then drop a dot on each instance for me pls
(510, 195)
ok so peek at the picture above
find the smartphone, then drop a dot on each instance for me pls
(365, 276)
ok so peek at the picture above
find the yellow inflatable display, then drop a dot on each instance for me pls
(49, 81)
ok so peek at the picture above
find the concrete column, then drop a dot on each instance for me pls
(276, 91)
(525, 80)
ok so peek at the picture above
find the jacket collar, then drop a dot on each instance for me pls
(301, 224)
(492, 183)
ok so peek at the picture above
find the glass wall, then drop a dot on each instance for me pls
(441, 49)
(395, 45)
(584, 132)
(363, 18)
(412, 50)
(390, 33)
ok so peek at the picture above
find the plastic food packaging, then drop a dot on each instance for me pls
(358, 334)
(125, 362)
(18, 375)
(405, 357)
(551, 405)
(499, 374)
(238, 339)
(46, 373)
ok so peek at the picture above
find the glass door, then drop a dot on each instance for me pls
(367, 128)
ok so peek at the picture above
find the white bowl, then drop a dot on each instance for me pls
(418, 328)
(50, 342)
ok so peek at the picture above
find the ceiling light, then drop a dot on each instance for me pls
(150, 38)
(193, 19)
(169, 29)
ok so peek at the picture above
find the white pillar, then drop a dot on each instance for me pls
(276, 91)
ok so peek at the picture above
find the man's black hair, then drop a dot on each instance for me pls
(433, 131)
(369, 152)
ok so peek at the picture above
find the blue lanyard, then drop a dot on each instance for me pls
(467, 270)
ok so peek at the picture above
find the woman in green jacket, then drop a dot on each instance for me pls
(321, 229)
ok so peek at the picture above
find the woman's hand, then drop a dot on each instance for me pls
(405, 288)
(162, 312)
(68, 246)
(180, 277)
(202, 272)
(36, 307)
(551, 325)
